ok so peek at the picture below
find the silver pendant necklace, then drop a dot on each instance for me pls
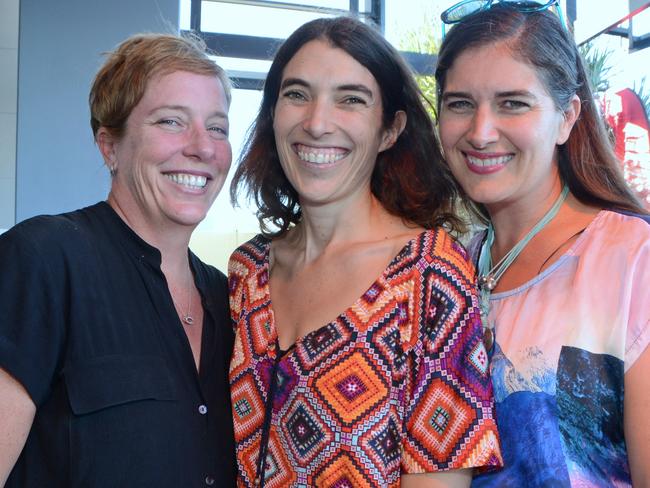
(489, 276)
(186, 317)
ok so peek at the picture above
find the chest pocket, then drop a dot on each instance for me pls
(109, 381)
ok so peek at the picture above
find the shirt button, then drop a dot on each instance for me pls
(203, 410)
(209, 480)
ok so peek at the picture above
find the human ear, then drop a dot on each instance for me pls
(106, 142)
(393, 132)
(569, 118)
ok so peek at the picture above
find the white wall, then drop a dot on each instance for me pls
(58, 168)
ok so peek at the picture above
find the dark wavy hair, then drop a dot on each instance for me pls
(410, 179)
(587, 162)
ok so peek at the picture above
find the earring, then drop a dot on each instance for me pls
(113, 171)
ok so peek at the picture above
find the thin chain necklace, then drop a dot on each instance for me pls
(186, 317)
(489, 275)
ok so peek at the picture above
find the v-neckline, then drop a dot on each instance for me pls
(273, 333)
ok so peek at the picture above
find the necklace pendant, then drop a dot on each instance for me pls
(488, 338)
(488, 282)
(188, 320)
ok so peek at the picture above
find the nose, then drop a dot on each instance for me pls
(200, 144)
(483, 130)
(318, 118)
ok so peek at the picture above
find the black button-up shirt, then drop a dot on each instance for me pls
(88, 326)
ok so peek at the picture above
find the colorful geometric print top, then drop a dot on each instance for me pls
(397, 383)
(564, 341)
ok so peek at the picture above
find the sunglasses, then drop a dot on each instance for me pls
(456, 13)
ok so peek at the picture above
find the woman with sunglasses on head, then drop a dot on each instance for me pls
(564, 266)
(358, 356)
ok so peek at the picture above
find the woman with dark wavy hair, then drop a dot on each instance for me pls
(358, 357)
(564, 267)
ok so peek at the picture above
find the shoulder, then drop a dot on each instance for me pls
(206, 273)
(614, 244)
(49, 233)
(247, 273)
(619, 234)
(250, 256)
(634, 217)
(444, 254)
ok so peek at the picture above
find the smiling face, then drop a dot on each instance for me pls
(174, 156)
(328, 124)
(500, 129)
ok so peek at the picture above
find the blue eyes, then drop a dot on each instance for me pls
(177, 125)
(170, 122)
(459, 105)
(220, 130)
(505, 105)
(294, 95)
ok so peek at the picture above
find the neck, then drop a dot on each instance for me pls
(512, 222)
(172, 240)
(325, 226)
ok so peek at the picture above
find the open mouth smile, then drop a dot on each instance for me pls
(488, 161)
(485, 163)
(320, 155)
(194, 182)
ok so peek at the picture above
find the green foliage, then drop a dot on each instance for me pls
(424, 39)
(597, 63)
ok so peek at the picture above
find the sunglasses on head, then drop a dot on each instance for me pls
(456, 13)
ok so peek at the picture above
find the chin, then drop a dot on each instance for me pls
(188, 216)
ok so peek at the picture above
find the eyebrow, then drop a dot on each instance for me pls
(183, 108)
(357, 87)
(516, 93)
(458, 94)
(504, 94)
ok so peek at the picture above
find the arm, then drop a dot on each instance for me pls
(636, 419)
(16, 416)
(441, 479)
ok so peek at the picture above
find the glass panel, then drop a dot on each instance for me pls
(225, 227)
(184, 19)
(341, 4)
(241, 64)
(641, 23)
(252, 21)
(411, 23)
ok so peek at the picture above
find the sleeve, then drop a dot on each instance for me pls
(237, 271)
(32, 324)
(449, 406)
(248, 277)
(638, 328)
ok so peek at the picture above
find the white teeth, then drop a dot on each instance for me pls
(190, 181)
(490, 161)
(312, 155)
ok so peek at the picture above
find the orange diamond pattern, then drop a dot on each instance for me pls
(351, 388)
(343, 472)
